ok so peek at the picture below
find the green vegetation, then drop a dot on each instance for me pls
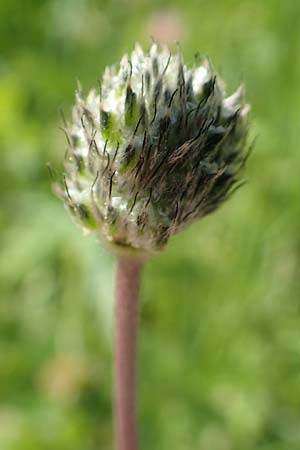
(219, 365)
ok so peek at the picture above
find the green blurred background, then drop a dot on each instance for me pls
(219, 361)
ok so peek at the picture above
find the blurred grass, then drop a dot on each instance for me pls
(220, 329)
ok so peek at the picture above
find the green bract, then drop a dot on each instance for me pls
(155, 148)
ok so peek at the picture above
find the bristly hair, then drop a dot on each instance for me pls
(155, 148)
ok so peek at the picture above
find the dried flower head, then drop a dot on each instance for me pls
(155, 148)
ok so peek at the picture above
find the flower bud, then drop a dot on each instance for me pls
(157, 148)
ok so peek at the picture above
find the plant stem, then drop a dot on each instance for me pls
(125, 344)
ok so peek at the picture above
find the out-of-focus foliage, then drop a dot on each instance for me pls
(219, 364)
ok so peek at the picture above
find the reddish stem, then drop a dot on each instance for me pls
(125, 345)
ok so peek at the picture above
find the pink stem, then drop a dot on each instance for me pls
(125, 344)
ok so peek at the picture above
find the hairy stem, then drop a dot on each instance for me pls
(125, 344)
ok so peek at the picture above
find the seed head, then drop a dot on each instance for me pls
(156, 147)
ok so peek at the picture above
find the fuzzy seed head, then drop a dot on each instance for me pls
(154, 148)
